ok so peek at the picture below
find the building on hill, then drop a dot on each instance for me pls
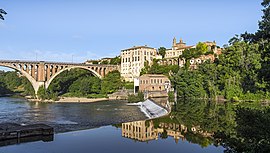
(134, 59)
(172, 56)
(106, 60)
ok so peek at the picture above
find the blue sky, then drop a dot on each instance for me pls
(56, 30)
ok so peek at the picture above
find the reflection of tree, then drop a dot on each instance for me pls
(201, 119)
(209, 116)
(252, 132)
(164, 134)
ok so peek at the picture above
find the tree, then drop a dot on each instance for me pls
(2, 13)
(111, 82)
(115, 61)
(189, 84)
(162, 51)
(202, 48)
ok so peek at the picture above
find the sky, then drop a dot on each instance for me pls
(78, 30)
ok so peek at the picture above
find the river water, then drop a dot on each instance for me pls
(109, 126)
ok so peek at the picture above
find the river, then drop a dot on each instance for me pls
(109, 126)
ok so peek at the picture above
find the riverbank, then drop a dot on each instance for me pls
(69, 100)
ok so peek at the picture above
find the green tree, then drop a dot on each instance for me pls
(162, 51)
(111, 82)
(189, 84)
(115, 61)
(201, 48)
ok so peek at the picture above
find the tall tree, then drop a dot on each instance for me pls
(162, 51)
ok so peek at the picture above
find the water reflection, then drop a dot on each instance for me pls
(193, 121)
(145, 131)
(47, 138)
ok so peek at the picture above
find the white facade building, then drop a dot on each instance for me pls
(133, 60)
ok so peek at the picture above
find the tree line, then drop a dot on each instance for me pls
(81, 83)
(241, 72)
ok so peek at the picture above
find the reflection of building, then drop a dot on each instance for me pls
(139, 131)
(134, 59)
(145, 130)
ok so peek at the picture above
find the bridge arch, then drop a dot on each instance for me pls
(33, 82)
(95, 73)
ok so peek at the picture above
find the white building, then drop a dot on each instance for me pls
(134, 59)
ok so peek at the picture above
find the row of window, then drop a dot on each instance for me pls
(136, 58)
(155, 81)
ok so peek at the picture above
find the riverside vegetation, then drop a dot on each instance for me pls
(241, 72)
(73, 83)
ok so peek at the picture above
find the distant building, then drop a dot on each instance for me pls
(154, 85)
(134, 59)
(106, 60)
(172, 56)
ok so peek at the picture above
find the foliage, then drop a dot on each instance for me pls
(162, 51)
(111, 82)
(12, 83)
(252, 133)
(136, 98)
(189, 84)
(206, 117)
(104, 62)
(156, 68)
(171, 96)
(202, 48)
(241, 72)
(129, 85)
(115, 61)
(41, 94)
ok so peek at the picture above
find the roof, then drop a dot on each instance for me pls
(154, 75)
(136, 47)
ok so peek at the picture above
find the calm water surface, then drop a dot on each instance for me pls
(109, 126)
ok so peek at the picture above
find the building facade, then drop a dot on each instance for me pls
(154, 82)
(134, 59)
(172, 56)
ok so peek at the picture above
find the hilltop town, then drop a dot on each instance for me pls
(133, 60)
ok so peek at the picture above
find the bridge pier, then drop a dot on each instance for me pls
(37, 85)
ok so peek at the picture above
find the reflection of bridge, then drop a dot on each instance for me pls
(42, 73)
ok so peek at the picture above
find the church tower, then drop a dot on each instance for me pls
(174, 43)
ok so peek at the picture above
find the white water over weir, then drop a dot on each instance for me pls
(151, 109)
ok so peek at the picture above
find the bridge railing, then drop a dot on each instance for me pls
(56, 63)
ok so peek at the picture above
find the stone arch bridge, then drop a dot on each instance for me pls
(41, 73)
